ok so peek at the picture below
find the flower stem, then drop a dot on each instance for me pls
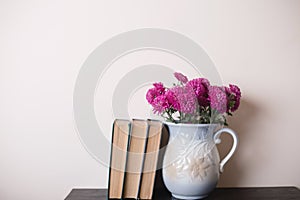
(170, 117)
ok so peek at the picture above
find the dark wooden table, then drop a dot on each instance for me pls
(268, 193)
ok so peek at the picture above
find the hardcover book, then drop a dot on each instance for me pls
(119, 146)
(135, 158)
(151, 159)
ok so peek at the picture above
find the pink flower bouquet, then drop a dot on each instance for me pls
(194, 101)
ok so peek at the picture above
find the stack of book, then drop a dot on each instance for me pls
(136, 153)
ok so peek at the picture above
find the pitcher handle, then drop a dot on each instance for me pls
(233, 148)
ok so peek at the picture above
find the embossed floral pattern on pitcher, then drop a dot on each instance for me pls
(191, 162)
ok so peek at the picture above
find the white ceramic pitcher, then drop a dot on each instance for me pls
(192, 162)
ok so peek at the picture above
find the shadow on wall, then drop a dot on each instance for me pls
(235, 170)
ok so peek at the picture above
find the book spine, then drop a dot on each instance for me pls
(144, 155)
(110, 163)
(142, 161)
(111, 156)
(153, 124)
(126, 159)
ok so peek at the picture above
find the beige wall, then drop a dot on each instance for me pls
(259, 48)
(255, 44)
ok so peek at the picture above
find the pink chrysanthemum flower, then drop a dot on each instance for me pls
(200, 87)
(234, 96)
(153, 93)
(180, 77)
(186, 99)
(160, 104)
(172, 100)
(218, 99)
(159, 87)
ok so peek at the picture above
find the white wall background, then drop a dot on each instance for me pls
(255, 44)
